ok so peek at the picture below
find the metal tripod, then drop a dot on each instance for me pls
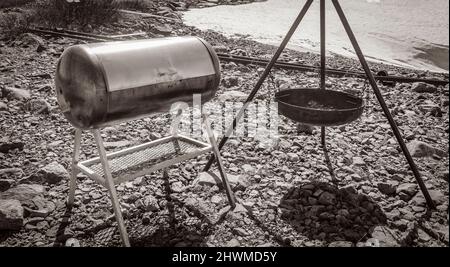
(367, 71)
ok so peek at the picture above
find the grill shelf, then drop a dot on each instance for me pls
(133, 162)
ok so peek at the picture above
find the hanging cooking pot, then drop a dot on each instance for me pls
(319, 107)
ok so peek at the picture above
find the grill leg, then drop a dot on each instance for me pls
(73, 176)
(226, 184)
(174, 130)
(111, 188)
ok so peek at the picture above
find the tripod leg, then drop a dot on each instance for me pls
(386, 111)
(322, 61)
(74, 171)
(261, 80)
(111, 188)
(216, 152)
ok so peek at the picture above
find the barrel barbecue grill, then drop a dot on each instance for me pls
(103, 84)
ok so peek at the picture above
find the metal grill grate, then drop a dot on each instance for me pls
(146, 156)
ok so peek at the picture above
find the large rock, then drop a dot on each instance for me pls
(51, 173)
(421, 87)
(437, 196)
(385, 237)
(422, 149)
(11, 214)
(15, 93)
(23, 192)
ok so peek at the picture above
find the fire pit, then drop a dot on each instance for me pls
(319, 107)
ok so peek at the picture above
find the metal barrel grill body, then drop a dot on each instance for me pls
(102, 84)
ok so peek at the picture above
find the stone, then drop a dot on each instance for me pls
(421, 149)
(408, 188)
(437, 196)
(239, 208)
(11, 172)
(72, 242)
(117, 144)
(387, 188)
(230, 81)
(385, 237)
(248, 168)
(421, 87)
(436, 111)
(177, 187)
(131, 198)
(216, 199)
(163, 29)
(6, 145)
(38, 106)
(39, 207)
(55, 172)
(155, 136)
(41, 48)
(284, 144)
(240, 231)
(205, 178)
(29, 40)
(404, 196)
(11, 214)
(233, 243)
(5, 184)
(341, 244)
(3, 106)
(52, 173)
(23, 192)
(293, 157)
(150, 203)
(327, 198)
(358, 161)
(15, 93)
(211, 179)
(305, 128)
(232, 95)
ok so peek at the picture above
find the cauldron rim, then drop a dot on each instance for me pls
(278, 95)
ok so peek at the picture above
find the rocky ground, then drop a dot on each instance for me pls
(360, 193)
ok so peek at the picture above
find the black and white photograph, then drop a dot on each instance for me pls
(243, 126)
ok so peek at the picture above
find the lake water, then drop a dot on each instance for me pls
(411, 33)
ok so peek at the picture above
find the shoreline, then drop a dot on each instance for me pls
(385, 48)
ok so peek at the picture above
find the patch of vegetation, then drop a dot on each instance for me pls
(60, 13)
(13, 3)
(13, 24)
